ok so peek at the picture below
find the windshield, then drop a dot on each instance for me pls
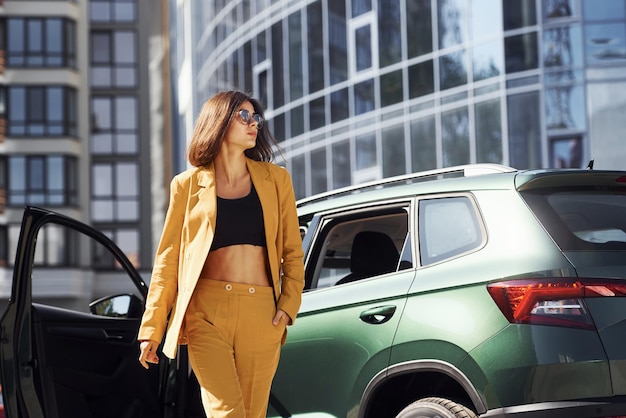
(582, 218)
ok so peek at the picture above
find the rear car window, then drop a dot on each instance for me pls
(448, 227)
(587, 218)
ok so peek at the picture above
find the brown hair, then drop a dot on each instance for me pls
(212, 124)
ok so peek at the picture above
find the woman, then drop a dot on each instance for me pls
(228, 271)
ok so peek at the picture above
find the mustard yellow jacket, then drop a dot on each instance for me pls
(187, 236)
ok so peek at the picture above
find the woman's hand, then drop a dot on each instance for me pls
(148, 353)
(281, 316)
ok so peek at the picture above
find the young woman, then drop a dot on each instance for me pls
(228, 272)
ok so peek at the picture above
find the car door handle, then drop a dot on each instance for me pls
(378, 315)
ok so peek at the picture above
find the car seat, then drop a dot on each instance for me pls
(373, 253)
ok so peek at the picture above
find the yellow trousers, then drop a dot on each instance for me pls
(233, 346)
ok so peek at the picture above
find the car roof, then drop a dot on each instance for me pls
(461, 178)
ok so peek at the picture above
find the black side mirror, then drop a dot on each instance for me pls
(117, 306)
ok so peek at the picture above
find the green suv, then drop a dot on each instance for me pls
(472, 291)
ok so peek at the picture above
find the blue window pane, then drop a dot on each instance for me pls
(487, 60)
(452, 24)
(363, 48)
(562, 46)
(55, 178)
(35, 36)
(605, 43)
(54, 36)
(55, 104)
(604, 10)
(455, 137)
(453, 70)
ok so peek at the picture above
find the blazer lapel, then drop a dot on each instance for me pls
(264, 185)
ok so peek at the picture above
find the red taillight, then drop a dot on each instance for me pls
(556, 301)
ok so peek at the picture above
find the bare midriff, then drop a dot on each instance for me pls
(242, 263)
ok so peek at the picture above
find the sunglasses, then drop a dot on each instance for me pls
(247, 118)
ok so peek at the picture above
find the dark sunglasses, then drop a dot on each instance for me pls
(246, 118)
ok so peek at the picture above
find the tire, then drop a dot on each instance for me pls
(436, 408)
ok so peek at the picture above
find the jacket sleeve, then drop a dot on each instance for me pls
(292, 277)
(163, 283)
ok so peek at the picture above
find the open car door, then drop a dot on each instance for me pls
(61, 363)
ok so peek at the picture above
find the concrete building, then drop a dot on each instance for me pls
(83, 131)
(357, 90)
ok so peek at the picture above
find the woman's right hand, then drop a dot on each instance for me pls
(148, 353)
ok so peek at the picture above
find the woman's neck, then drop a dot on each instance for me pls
(230, 171)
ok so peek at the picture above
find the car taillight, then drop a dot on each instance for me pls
(556, 301)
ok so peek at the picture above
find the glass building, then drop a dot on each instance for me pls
(357, 90)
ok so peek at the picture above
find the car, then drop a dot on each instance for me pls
(469, 291)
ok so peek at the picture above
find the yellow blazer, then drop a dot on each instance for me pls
(187, 236)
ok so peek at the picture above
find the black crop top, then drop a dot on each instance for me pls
(239, 221)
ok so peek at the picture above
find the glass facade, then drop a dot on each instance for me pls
(358, 90)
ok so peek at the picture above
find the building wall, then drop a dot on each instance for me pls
(357, 90)
(86, 134)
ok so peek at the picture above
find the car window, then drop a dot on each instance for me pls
(352, 247)
(448, 227)
(585, 218)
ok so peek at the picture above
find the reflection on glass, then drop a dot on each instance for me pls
(423, 144)
(391, 88)
(299, 176)
(521, 52)
(394, 153)
(317, 113)
(567, 152)
(419, 26)
(360, 6)
(486, 18)
(297, 120)
(128, 241)
(295, 56)
(365, 150)
(315, 46)
(455, 137)
(341, 164)
(421, 79)
(389, 32)
(127, 179)
(452, 27)
(487, 60)
(562, 46)
(452, 70)
(605, 42)
(337, 42)
(278, 75)
(524, 130)
(565, 107)
(318, 171)
(488, 124)
(364, 97)
(339, 105)
(555, 9)
(604, 9)
(363, 50)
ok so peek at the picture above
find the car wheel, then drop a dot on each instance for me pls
(436, 408)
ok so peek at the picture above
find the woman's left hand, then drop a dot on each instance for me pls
(281, 316)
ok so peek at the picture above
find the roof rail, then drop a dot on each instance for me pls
(456, 171)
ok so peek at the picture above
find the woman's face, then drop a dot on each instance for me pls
(244, 128)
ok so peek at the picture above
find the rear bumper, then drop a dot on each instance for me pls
(568, 409)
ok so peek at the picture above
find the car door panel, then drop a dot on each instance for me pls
(85, 372)
(335, 348)
(66, 363)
